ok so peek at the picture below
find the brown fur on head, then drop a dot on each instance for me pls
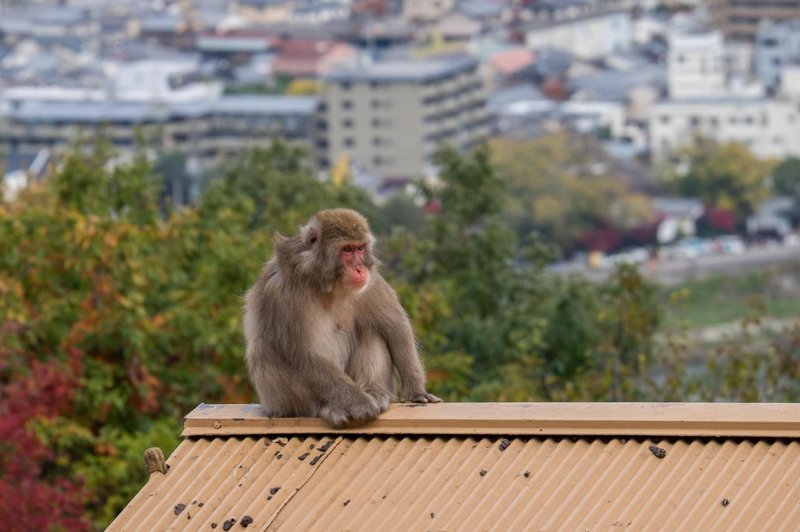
(342, 224)
(312, 256)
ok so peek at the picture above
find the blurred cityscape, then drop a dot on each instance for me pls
(575, 200)
(372, 88)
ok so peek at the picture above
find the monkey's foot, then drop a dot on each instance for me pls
(419, 397)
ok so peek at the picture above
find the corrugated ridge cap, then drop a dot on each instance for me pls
(746, 420)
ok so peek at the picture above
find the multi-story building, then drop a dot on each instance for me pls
(696, 65)
(205, 131)
(740, 19)
(777, 46)
(705, 100)
(770, 128)
(588, 30)
(390, 117)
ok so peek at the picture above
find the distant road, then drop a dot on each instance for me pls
(677, 271)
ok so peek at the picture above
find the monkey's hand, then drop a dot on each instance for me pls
(418, 397)
(357, 411)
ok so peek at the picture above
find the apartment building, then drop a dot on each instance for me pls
(740, 19)
(588, 30)
(770, 128)
(696, 65)
(777, 48)
(705, 100)
(390, 117)
(206, 131)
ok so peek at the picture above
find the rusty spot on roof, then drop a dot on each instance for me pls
(658, 452)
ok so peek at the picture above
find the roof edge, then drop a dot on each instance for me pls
(747, 420)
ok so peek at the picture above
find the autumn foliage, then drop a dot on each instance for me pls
(120, 312)
(32, 495)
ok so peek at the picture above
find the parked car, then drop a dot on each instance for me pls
(729, 245)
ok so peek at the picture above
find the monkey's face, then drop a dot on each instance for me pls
(353, 257)
(332, 252)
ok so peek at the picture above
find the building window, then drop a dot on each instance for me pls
(665, 119)
(376, 141)
(694, 121)
(349, 142)
(347, 123)
(345, 85)
(377, 161)
(347, 104)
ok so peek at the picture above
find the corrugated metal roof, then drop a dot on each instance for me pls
(463, 480)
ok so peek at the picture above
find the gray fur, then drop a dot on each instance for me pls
(316, 349)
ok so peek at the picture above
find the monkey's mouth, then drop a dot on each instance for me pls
(357, 276)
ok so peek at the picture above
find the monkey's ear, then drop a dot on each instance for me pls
(278, 238)
(310, 234)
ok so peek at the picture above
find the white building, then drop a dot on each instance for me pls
(696, 65)
(706, 99)
(588, 31)
(770, 128)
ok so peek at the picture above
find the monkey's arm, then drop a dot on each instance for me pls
(394, 326)
(302, 383)
(289, 377)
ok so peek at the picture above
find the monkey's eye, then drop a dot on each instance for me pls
(362, 247)
(347, 249)
(313, 240)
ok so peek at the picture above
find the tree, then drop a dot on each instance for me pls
(786, 178)
(117, 316)
(144, 302)
(725, 176)
(558, 187)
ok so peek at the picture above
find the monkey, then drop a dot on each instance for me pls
(325, 334)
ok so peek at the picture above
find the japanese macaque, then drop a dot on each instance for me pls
(325, 333)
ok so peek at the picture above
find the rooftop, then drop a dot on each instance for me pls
(510, 466)
(98, 112)
(398, 70)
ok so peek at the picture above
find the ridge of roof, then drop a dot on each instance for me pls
(748, 420)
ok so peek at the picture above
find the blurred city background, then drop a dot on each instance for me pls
(591, 200)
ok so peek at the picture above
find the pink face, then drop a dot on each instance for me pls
(356, 274)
